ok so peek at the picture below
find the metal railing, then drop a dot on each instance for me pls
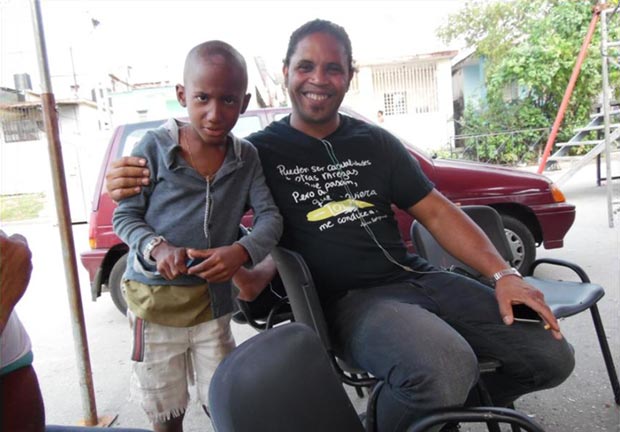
(515, 147)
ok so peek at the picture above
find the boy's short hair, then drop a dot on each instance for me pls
(215, 47)
(320, 26)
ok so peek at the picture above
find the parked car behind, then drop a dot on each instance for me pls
(533, 208)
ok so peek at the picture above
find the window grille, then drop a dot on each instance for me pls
(18, 125)
(407, 88)
(395, 103)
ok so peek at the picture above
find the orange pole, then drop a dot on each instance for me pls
(569, 89)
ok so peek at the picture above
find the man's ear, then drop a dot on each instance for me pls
(181, 95)
(246, 101)
(351, 74)
(285, 73)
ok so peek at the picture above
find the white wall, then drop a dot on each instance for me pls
(429, 131)
(25, 166)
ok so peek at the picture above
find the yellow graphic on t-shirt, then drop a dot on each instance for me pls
(335, 208)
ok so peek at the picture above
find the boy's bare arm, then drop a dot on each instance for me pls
(126, 177)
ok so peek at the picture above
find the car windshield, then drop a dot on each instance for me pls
(134, 133)
(246, 125)
(132, 139)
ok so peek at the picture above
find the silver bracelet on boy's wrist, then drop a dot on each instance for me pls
(148, 249)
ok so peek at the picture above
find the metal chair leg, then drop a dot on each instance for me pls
(485, 400)
(371, 407)
(609, 362)
(358, 390)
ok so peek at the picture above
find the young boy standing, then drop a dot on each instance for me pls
(203, 179)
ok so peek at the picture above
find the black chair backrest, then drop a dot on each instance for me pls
(487, 218)
(280, 380)
(301, 292)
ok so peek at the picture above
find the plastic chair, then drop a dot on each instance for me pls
(307, 309)
(565, 298)
(282, 380)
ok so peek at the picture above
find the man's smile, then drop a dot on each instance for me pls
(316, 96)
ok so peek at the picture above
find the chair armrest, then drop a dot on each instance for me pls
(274, 317)
(244, 308)
(561, 263)
(476, 415)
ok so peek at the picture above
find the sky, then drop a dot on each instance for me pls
(146, 40)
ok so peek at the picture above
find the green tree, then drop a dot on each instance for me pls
(531, 44)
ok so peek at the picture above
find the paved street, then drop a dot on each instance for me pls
(583, 404)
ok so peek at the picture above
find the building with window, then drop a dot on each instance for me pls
(414, 93)
(24, 151)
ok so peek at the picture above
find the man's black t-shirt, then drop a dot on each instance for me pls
(327, 190)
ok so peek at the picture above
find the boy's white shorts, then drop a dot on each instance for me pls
(166, 360)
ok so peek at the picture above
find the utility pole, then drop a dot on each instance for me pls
(50, 117)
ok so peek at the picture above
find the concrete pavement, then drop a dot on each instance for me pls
(583, 404)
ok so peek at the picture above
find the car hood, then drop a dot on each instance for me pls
(459, 179)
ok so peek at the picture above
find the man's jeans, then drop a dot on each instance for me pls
(423, 338)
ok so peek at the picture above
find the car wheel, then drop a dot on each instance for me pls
(115, 284)
(521, 243)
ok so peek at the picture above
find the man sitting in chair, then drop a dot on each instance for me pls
(391, 313)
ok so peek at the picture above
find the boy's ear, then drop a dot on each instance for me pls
(181, 95)
(246, 101)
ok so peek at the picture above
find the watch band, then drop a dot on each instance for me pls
(506, 272)
(146, 253)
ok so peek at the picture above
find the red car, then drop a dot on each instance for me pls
(533, 209)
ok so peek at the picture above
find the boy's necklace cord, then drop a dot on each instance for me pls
(185, 144)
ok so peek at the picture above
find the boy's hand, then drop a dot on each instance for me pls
(220, 264)
(170, 260)
(126, 177)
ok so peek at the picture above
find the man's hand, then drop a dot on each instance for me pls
(220, 264)
(126, 177)
(15, 270)
(511, 290)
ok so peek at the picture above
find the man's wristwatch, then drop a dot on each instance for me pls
(506, 272)
(146, 253)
